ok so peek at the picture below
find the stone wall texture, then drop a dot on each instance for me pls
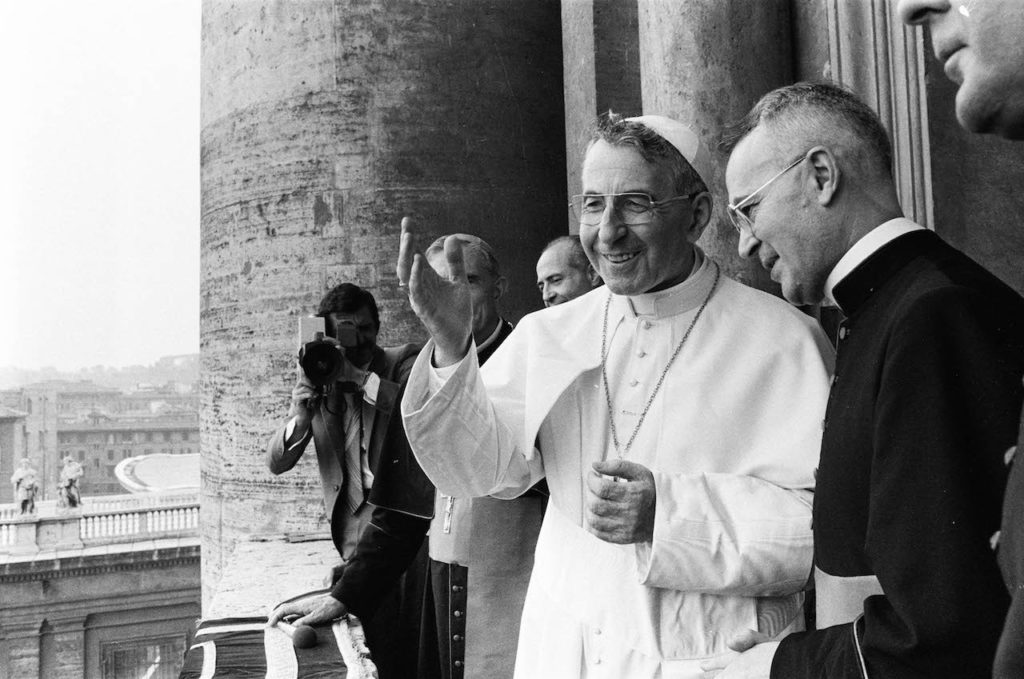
(601, 62)
(60, 610)
(705, 63)
(323, 123)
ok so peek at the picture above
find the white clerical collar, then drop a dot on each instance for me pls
(681, 297)
(870, 243)
(493, 336)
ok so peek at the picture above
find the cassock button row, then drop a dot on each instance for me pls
(457, 614)
(458, 663)
(456, 588)
(456, 637)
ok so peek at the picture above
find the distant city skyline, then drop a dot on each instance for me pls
(99, 238)
(180, 369)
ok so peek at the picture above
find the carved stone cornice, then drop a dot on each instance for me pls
(874, 54)
(72, 622)
(75, 566)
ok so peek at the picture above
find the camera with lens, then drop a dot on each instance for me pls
(320, 358)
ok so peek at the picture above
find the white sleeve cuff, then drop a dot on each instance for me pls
(288, 431)
(727, 533)
(436, 377)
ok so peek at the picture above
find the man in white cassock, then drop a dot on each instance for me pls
(676, 415)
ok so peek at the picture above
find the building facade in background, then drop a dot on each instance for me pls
(96, 425)
(12, 447)
(100, 442)
(108, 589)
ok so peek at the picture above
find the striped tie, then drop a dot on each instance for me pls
(354, 495)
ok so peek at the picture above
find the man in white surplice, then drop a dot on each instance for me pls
(675, 413)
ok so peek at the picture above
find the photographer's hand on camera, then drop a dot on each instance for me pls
(302, 392)
(300, 410)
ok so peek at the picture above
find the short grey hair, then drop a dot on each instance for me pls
(820, 111)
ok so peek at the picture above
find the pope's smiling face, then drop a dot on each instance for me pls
(642, 257)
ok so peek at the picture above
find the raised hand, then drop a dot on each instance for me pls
(442, 303)
(620, 502)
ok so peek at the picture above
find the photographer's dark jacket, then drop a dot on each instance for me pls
(398, 483)
(399, 495)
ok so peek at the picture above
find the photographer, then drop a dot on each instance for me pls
(346, 400)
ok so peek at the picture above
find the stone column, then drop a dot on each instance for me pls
(62, 647)
(19, 649)
(323, 122)
(705, 62)
(580, 88)
(601, 61)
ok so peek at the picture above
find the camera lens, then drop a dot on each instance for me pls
(321, 362)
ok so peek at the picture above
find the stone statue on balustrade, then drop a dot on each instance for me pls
(68, 494)
(25, 486)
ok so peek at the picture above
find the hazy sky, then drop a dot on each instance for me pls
(99, 181)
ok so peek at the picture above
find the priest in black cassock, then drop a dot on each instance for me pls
(923, 406)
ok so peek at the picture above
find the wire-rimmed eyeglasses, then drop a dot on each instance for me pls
(740, 219)
(632, 208)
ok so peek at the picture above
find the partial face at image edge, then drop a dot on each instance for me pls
(980, 44)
